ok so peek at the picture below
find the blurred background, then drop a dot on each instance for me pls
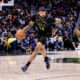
(18, 16)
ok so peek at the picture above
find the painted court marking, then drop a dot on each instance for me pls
(10, 61)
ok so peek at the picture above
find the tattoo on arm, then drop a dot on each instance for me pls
(29, 26)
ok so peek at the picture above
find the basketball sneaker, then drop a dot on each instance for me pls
(47, 63)
(24, 68)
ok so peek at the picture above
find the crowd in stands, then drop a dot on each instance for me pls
(18, 16)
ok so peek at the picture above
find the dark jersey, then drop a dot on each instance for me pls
(43, 27)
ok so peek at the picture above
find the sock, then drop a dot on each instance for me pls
(46, 58)
(28, 63)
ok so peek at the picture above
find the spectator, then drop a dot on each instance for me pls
(77, 31)
(13, 18)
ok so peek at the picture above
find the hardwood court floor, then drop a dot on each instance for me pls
(10, 68)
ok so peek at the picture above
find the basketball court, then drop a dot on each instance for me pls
(10, 67)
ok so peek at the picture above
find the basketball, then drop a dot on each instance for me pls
(20, 34)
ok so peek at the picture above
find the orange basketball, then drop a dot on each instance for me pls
(21, 34)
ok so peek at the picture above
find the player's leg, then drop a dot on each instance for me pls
(46, 59)
(42, 40)
(37, 48)
(40, 46)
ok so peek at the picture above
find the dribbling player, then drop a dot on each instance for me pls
(43, 24)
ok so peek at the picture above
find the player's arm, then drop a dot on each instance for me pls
(31, 23)
(29, 26)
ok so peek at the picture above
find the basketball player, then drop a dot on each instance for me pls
(43, 24)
